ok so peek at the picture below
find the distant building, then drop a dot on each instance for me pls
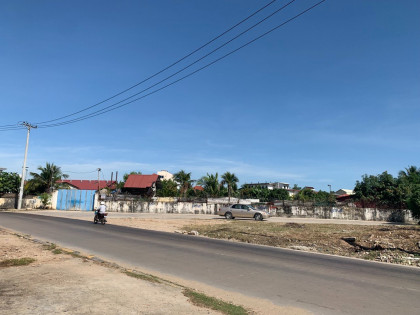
(198, 188)
(88, 184)
(293, 192)
(165, 175)
(144, 185)
(309, 188)
(343, 191)
(270, 186)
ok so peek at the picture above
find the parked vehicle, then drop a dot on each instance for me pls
(100, 218)
(242, 211)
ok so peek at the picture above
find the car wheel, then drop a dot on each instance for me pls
(228, 216)
(258, 217)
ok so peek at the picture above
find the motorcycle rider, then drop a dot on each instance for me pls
(101, 210)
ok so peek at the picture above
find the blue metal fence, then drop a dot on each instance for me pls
(74, 199)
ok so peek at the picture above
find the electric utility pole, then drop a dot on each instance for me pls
(22, 182)
(98, 179)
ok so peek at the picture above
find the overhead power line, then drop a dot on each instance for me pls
(114, 107)
(166, 68)
(179, 71)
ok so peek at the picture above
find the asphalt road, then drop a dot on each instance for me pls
(320, 283)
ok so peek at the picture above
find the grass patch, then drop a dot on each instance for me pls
(16, 262)
(51, 246)
(143, 276)
(203, 300)
(373, 255)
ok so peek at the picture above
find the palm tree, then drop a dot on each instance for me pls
(230, 180)
(184, 180)
(210, 184)
(411, 175)
(47, 179)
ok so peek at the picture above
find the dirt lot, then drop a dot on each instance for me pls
(399, 244)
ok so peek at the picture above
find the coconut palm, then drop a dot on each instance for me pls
(184, 180)
(47, 179)
(410, 176)
(210, 184)
(230, 180)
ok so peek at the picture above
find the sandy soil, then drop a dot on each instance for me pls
(60, 283)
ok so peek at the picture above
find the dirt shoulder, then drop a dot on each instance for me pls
(60, 283)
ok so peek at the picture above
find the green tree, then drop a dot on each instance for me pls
(324, 197)
(413, 202)
(46, 180)
(9, 182)
(166, 188)
(382, 190)
(409, 181)
(184, 180)
(45, 200)
(230, 180)
(263, 194)
(278, 194)
(305, 194)
(210, 184)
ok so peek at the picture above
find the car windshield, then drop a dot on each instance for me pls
(251, 207)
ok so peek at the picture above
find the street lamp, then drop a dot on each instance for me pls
(330, 188)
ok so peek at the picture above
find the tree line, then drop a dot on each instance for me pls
(227, 186)
(387, 191)
(381, 191)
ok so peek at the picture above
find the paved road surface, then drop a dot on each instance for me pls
(181, 216)
(320, 283)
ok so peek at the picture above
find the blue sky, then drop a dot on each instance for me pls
(330, 96)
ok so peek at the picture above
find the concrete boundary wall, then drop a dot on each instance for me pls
(27, 203)
(336, 212)
(161, 207)
(345, 213)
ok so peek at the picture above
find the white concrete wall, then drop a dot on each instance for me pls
(161, 207)
(345, 213)
(27, 203)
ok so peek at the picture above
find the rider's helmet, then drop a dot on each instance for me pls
(102, 203)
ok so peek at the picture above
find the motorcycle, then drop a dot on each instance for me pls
(100, 217)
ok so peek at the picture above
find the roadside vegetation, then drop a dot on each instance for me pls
(387, 191)
(202, 300)
(196, 298)
(16, 262)
(398, 244)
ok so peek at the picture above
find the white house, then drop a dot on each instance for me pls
(165, 175)
(270, 186)
(343, 191)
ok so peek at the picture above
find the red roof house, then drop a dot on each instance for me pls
(198, 188)
(141, 184)
(88, 184)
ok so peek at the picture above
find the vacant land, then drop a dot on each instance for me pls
(398, 244)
